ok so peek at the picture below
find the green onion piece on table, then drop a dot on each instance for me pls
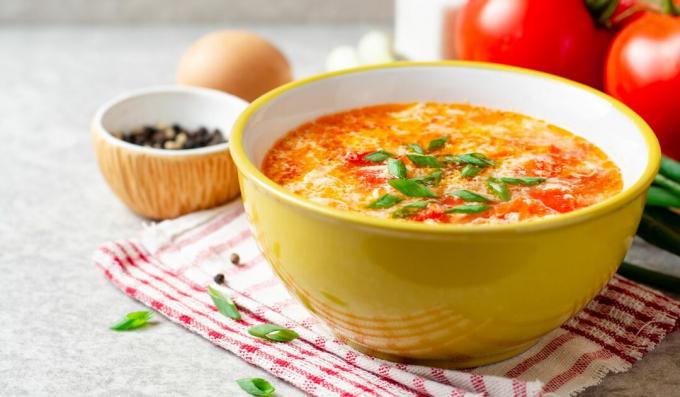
(256, 386)
(273, 333)
(133, 320)
(385, 201)
(224, 304)
(411, 188)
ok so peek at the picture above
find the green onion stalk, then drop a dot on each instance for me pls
(660, 225)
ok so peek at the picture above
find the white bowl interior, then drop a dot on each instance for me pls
(570, 107)
(188, 106)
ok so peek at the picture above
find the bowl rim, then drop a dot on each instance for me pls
(99, 129)
(610, 204)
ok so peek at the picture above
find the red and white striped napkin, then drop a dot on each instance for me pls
(170, 266)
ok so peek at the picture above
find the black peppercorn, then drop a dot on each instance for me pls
(173, 137)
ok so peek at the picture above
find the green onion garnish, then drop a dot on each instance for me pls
(411, 188)
(385, 201)
(470, 171)
(467, 195)
(437, 143)
(432, 179)
(424, 160)
(477, 159)
(449, 159)
(224, 304)
(416, 148)
(499, 188)
(273, 333)
(256, 386)
(396, 168)
(378, 156)
(410, 209)
(524, 181)
(468, 209)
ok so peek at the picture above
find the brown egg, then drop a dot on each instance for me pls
(237, 62)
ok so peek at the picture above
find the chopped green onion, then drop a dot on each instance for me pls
(416, 148)
(133, 320)
(411, 188)
(524, 181)
(468, 209)
(437, 143)
(256, 386)
(224, 304)
(273, 333)
(432, 179)
(449, 159)
(499, 188)
(385, 201)
(378, 156)
(467, 195)
(424, 160)
(410, 209)
(470, 171)
(396, 168)
(477, 159)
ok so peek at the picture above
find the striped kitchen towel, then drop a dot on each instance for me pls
(169, 267)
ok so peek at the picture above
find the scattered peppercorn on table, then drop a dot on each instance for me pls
(56, 307)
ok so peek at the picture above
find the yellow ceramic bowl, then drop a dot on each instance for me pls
(450, 295)
(159, 183)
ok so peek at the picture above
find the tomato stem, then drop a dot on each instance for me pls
(668, 7)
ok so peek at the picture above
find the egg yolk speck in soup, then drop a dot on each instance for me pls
(442, 163)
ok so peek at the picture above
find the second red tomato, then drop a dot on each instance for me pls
(557, 37)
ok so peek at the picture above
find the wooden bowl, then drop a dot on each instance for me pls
(160, 183)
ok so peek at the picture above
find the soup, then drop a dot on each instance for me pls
(442, 163)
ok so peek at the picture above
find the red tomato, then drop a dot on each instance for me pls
(372, 178)
(430, 214)
(555, 199)
(643, 71)
(557, 37)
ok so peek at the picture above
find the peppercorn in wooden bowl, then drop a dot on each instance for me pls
(161, 152)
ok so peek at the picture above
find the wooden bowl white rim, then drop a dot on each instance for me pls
(98, 127)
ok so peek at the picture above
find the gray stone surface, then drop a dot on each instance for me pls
(195, 11)
(55, 209)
